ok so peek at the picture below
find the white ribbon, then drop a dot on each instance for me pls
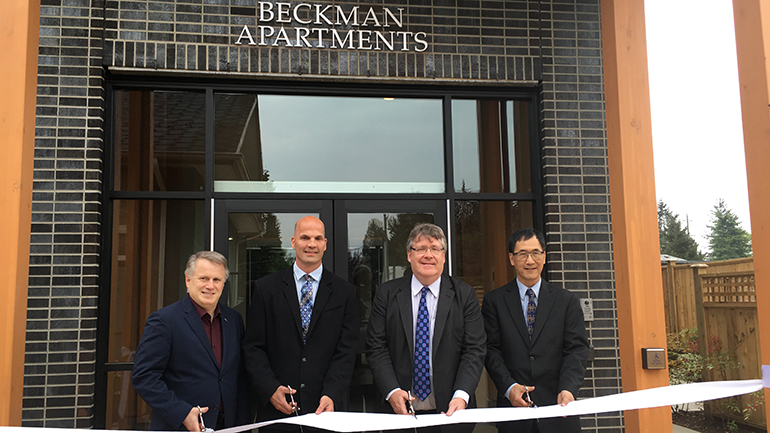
(643, 399)
(654, 397)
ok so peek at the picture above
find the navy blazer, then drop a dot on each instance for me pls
(175, 368)
(553, 360)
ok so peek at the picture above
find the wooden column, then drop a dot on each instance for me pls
(752, 37)
(19, 28)
(639, 290)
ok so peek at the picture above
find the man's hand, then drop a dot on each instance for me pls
(325, 405)
(564, 397)
(398, 402)
(517, 395)
(279, 399)
(454, 405)
(191, 423)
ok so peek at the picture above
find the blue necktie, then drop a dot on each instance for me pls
(422, 350)
(531, 310)
(305, 306)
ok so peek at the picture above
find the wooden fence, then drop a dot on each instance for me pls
(718, 299)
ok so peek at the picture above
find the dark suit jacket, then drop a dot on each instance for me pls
(273, 346)
(175, 368)
(458, 340)
(555, 358)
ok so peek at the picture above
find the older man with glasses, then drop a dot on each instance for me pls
(425, 343)
(536, 339)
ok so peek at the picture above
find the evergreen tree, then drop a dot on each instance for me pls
(664, 214)
(675, 240)
(727, 239)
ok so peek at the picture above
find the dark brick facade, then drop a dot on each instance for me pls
(554, 43)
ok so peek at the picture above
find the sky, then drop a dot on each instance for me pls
(696, 114)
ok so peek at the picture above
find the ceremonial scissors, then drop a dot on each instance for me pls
(531, 403)
(529, 400)
(294, 406)
(410, 408)
(203, 425)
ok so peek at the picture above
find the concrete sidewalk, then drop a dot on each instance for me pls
(680, 429)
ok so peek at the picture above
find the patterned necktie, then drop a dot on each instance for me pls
(422, 350)
(531, 310)
(305, 306)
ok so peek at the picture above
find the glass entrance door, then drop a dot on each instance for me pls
(366, 246)
(370, 250)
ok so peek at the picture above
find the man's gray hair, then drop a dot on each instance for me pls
(211, 256)
(427, 230)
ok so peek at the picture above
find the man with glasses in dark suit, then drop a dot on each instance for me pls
(537, 347)
(425, 342)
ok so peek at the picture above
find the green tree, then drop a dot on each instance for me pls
(727, 239)
(675, 240)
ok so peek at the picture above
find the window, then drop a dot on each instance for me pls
(151, 242)
(190, 164)
(159, 141)
(314, 144)
(487, 138)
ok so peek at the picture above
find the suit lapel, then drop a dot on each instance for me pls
(324, 292)
(290, 293)
(445, 296)
(229, 337)
(513, 301)
(404, 301)
(194, 321)
(544, 306)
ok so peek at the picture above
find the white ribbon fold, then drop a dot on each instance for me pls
(357, 422)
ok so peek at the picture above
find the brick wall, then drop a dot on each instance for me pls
(576, 185)
(66, 216)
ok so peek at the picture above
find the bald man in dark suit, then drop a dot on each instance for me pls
(311, 360)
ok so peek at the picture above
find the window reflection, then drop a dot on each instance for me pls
(126, 411)
(281, 143)
(482, 229)
(481, 235)
(159, 141)
(490, 143)
(259, 244)
(376, 254)
(151, 242)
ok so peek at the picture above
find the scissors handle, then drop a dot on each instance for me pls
(294, 406)
(200, 421)
(410, 407)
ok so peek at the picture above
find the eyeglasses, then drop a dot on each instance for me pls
(522, 255)
(423, 250)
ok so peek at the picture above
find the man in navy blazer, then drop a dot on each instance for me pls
(537, 346)
(311, 361)
(189, 357)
